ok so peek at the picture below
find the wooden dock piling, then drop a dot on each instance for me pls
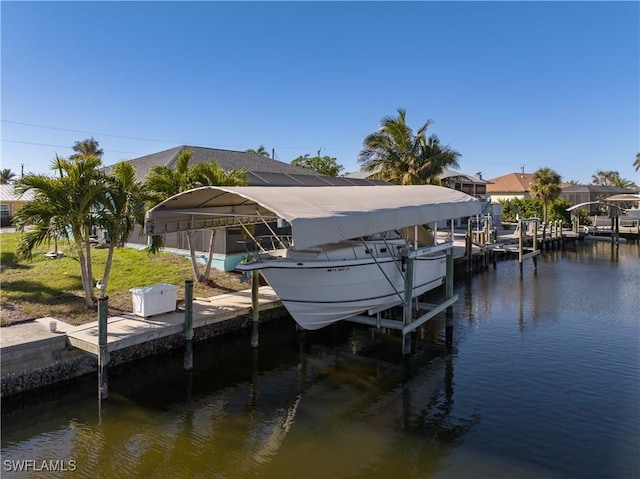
(468, 248)
(449, 295)
(408, 304)
(103, 354)
(188, 325)
(255, 310)
(520, 244)
(535, 244)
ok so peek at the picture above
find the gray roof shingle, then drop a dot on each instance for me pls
(261, 170)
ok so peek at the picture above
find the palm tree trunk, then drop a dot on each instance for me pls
(107, 269)
(87, 280)
(205, 276)
(194, 262)
(87, 248)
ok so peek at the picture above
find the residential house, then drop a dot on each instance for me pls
(508, 187)
(576, 194)
(10, 203)
(261, 171)
(471, 185)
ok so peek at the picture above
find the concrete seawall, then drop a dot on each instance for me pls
(34, 356)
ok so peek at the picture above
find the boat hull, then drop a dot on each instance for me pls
(317, 294)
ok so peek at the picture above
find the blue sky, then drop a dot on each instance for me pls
(507, 84)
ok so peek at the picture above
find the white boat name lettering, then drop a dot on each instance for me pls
(337, 269)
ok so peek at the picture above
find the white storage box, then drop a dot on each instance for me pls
(156, 299)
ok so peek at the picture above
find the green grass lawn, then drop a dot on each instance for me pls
(52, 287)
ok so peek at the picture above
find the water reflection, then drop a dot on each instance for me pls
(338, 403)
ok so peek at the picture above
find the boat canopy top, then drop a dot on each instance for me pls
(624, 197)
(317, 215)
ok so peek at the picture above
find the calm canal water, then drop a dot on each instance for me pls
(543, 382)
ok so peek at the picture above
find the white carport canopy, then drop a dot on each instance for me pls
(318, 215)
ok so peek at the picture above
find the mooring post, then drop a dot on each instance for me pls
(408, 302)
(449, 295)
(103, 353)
(188, 325)
(486, 231)
(559, 233)
(469, 247)
(535, 243)
(520, 244)
(255, 310)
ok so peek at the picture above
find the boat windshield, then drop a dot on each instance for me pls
(385, 235)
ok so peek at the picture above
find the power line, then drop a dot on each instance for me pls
(134, 138)
(88, 132)
(63, 146)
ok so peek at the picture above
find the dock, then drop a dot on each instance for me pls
(128, 330)
(47, 350)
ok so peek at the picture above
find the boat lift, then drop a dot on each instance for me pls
(322, 215)
(416, 313)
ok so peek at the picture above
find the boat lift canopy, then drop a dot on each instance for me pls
(317, 215)
(610, 202)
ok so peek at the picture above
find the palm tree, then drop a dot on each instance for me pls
(396, 155)
(546, 187)
(260, 151)
(6, 176)
(121, 209)
(637, 162)
(88, 147)
(63, 206)
(163, 182)
(611, 178)
(212, 174)
(435, 158)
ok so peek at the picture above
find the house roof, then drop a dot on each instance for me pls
(462, 177)
(511, 183)
(8, 195)
(446, 174)
(261, 170)
(595, 189)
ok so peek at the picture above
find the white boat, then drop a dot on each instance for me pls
(341, 259)
(633, 211)
(325, 284)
